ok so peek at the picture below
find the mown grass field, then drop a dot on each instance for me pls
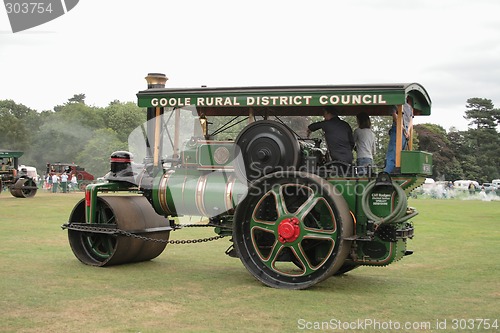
(453, 274)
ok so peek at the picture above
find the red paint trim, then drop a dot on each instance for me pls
(120, 160)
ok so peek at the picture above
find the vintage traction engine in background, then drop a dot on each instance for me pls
(83, 177)
(294, 217)
(15, 177)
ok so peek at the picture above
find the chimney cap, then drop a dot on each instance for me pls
(156, 80)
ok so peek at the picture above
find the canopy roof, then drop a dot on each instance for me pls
(375, 99)
(5, 153)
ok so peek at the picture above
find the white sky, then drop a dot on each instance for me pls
(105, 49)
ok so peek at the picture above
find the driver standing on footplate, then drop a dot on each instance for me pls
(338, 134)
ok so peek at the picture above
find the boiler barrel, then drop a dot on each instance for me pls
(188, 192)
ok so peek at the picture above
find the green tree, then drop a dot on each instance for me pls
(77, 98)
(64, 133)
(433, 139)
(59, 140)
(123, 118)
(13, 134)
(481, 113)
(480, 148)
(464, 153)
(17, 125)
(95, 155)
(84, 115)
(486, 151)
(19, 111)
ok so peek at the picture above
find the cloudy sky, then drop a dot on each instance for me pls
(105, 48)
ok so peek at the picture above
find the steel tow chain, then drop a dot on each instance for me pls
(176, 241)
(144, 238)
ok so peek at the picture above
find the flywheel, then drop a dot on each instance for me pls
(264, 147)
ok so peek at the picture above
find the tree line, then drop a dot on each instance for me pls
(86, 135)
(472, 154)
(70, 133)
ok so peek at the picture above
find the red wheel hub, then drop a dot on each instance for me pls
(288, 230)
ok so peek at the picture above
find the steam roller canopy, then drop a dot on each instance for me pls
(266, 146)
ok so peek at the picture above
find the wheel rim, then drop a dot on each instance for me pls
(101, 246)
(290, 235)
(93, 248)
(294, 232)
(28, 193)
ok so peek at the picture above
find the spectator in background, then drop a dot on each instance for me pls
(74, 182)
(48, 182)
(64, 182)
(55, 182)
(472, 188)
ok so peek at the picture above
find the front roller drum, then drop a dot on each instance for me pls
(129, 213)
(24, 188)
(290, 230)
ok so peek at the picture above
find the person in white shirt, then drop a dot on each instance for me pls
(364, 140)
(74, 182)
(55, 182)
(64, 182)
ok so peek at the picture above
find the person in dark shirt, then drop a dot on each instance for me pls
(338, 134)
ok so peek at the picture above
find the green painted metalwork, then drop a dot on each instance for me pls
(190, 191)
(416, 162)
(5, 153)
(289, 96)
(207, 154)
(91, 192)
(291, 228)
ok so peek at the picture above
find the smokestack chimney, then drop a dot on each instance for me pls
(156, 80)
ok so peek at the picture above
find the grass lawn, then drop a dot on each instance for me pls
(453, 274)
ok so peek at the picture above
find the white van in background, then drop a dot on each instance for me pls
(30, 171)
(464, 184)
(496, 182)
